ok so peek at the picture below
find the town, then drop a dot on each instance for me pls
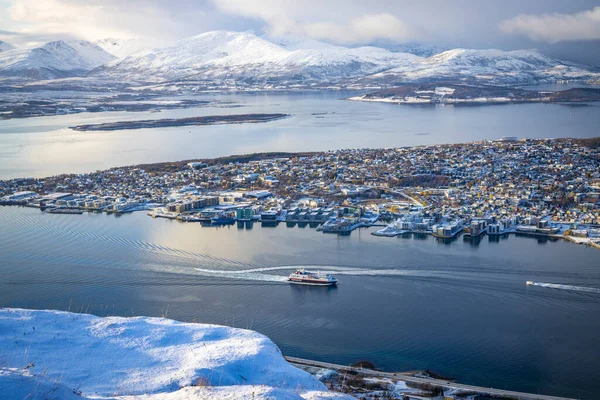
(548, 188)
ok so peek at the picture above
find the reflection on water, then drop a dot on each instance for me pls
(45, 146)
(410, 302)
(313, 293)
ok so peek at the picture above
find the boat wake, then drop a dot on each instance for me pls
(247, 274)
(261, 274)
(565, 287)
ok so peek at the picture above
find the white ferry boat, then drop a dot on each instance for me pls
(304, 277)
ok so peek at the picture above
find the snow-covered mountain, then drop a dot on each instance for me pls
(247, 57)
(121, 48)
(223, 59)
(494, 66)
(417, 49)
(5, 46)
(53, 60)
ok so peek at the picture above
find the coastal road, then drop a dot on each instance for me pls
(446, 385)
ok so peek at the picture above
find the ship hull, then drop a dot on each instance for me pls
(311, 283)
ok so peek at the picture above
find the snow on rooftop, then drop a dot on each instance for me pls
(55, 354)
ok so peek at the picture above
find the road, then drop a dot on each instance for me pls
(447, 385)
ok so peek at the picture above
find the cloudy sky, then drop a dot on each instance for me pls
(567, 29)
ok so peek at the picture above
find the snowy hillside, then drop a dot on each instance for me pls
(121, 48)
(5, 46)
(225, 60)
(248, 59)
(52, 354)
(245, 56)
(495, 66)
(414, 48)
(53, 60)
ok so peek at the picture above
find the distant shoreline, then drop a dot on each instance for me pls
(193, 121)
(469, 95)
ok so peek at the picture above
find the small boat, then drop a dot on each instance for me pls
(529, 283)
(304, 277)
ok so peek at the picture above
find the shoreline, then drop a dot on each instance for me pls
(137, 335)
(368, 380)
(573, 239)
(346, 189)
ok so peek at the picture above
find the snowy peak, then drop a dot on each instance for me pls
(56, 59)
(486, 66)
(245, 56)
(501, 59)
(5, 46)
(225, 60)
(221, 44)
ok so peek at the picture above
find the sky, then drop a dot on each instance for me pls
(565, 29)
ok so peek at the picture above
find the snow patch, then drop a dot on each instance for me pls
(54, 354)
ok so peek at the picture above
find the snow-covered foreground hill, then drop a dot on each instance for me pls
(61, 355)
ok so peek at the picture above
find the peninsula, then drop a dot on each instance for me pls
(548, 188)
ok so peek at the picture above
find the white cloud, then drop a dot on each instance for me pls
(345, 23)
(552, 28)
(78, 19)
(36, 21)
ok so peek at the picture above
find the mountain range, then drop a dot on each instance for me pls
(222, 59)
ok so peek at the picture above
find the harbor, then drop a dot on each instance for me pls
(408, 284)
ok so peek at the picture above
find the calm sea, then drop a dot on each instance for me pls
(45, 146)
(459, 308)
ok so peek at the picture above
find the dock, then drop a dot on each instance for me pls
(422, 381)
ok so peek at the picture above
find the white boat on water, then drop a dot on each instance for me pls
(304, 277)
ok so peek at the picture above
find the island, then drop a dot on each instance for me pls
(172, 122)
(450, 93)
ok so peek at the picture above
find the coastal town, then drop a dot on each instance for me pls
(547, 188)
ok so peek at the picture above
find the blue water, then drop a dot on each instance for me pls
(459, 308)
(319, 121)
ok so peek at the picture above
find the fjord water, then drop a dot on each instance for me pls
(459, 308)
(318, 121)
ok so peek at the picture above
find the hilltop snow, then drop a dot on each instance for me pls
(493, 66)
(225, 60)
(249, 59)
(53, 354)
(53, 60)
(226, 55)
